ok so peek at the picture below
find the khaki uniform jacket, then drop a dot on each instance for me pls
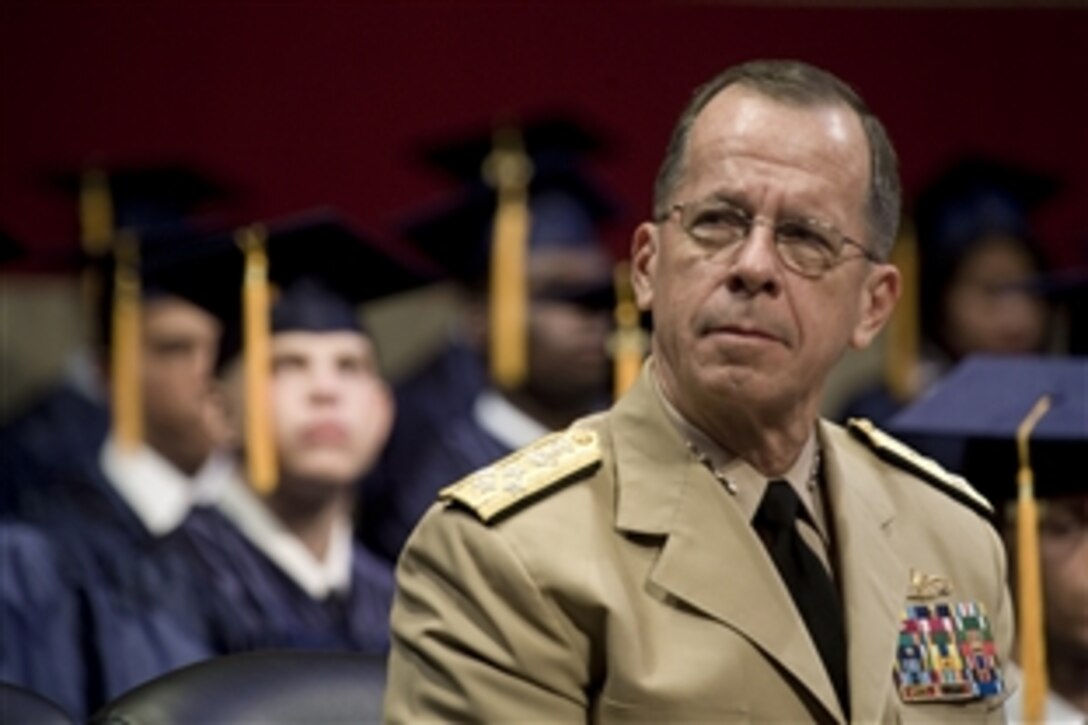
(637, 591)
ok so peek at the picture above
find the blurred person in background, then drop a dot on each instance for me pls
(163, 204)
(281, 560)
(568, 285)
(979, 262)
(982, 405)
(1063, 548)
(116, 522)
(38, 609)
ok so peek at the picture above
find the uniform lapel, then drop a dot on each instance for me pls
(873, 576)
(711, 558)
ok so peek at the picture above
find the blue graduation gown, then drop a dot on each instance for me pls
(142, 612)
(258, 606)
(442, 392)
(39, 620)
(462, 447)
(61, 433)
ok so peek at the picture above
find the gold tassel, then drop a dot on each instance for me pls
(508, 169)
(902, 351)
(96, 237)
(95, 213)
(627, 341)
(260, 442)
(125, 390)
(1030, 592)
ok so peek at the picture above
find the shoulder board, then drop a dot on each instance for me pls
(533, 470)
(899, 454)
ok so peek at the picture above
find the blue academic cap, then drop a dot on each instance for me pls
(549, 140)
(179, 261)
(976, 197)
(151, 196)
(983, 401)
(566, 208)
(321, 267)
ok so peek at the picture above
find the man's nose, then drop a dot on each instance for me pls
(754, 266)
(324, 384)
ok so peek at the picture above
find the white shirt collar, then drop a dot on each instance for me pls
(158, 493)
(504, 422)
(266, 532)
(212, 478)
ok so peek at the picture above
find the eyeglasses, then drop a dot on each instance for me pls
(806, 246)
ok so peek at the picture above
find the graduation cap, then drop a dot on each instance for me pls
(136, 198)
(308, 272)
(550, 139)
(566, 209)
(489, 232)
(976, 197)
(983, 401)
(1024, 421)
(522, 190)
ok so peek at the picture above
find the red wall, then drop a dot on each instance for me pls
(309, 102)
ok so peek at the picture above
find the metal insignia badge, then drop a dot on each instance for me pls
(928, 586)
(946, 653)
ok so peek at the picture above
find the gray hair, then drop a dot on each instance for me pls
(796, 83)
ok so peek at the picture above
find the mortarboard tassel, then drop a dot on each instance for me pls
(96, 237)
(627, 346)
(509, 169)
(260, 444)
(902, 352)
(1031, 626)
(95, 213)
(125, 391)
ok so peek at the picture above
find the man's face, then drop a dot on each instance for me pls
(180, 342)
(988, 307)
(734, 325)
(568, 361)
(1063, 547)
(332, 410)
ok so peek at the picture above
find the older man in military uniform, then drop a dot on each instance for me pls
(710, 549)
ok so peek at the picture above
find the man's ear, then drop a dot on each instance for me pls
(879, 294)
(644, 250)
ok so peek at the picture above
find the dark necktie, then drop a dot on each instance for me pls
(807, 580)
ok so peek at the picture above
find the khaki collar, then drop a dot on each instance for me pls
(742, 479)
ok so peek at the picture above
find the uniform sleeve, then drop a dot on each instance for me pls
(475, 638)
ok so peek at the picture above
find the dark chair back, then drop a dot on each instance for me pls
(20, 706)
(267, 687)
